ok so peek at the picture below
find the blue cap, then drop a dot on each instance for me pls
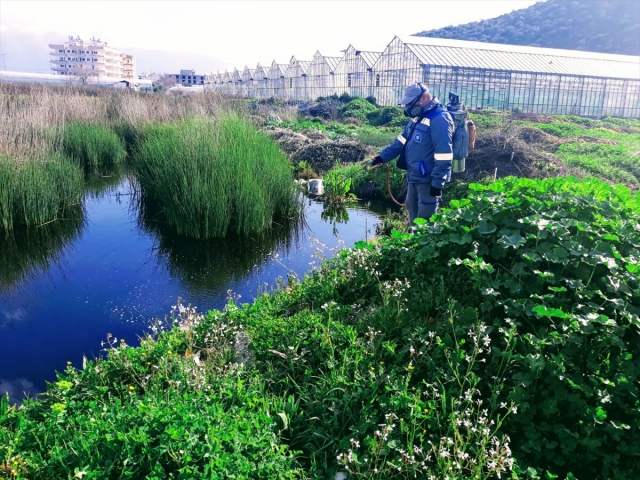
(412, 92)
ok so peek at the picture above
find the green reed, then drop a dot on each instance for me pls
(208, 178)
(35, 192)
(92, 145)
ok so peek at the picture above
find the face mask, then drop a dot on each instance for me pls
(413, 109)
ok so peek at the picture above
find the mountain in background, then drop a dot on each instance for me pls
(607, 26)
(28, 52)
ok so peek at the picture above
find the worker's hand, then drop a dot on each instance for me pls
(376, 162)
(435, 192)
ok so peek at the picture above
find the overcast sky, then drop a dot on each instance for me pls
(240, 32)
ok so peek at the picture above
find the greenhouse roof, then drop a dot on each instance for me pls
(369, 57)
(304, 65)
(333, 62)
(460, 53)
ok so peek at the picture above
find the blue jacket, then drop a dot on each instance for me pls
(429, 151)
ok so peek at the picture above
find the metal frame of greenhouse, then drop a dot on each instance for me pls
(485, 75)
(295, 79)
(321, 75)
(354, 72)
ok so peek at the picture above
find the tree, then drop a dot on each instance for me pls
(164, 82)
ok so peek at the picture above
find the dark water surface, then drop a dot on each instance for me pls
(64, 286)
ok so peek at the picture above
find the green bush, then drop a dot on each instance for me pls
(357, 108)
(93, 146)
(390, 115)
(34, 192)
(556, 260)
(208, 178)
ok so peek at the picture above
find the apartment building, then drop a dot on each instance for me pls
(92, 58)
(189, 77)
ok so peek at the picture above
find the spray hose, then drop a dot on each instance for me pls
(389, 187)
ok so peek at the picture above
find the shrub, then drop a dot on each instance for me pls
(324, 109)
(387, 115)
(345, 97)
(352, 121)
(372, 101)
(357, 108)
(92, 145)
(209, 178)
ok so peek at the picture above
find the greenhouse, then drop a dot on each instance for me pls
(354, 72)
(321, 75)
(508, 77)
(248, 81)
(295, 79)
(275, 82)
(485, 75)
(260, 79)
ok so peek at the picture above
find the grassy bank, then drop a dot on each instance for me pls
(208, 178)
(501, 340)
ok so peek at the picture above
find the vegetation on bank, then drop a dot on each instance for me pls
(93, 146)
(502, 339)
(207, 178)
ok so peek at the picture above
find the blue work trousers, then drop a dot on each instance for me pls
(419, 203)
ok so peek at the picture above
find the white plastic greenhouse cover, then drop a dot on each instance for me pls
(461, 53)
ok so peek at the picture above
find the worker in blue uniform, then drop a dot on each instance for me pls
(426, 144)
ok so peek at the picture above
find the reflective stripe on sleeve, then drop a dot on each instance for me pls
(401, 139)
(426, 121)
(443, 156)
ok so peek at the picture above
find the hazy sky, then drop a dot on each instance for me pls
(243, 32)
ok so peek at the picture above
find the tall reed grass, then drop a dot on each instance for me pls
(34, 192)
(93, 146)
(213, 177)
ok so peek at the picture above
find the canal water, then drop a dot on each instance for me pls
(106, 269)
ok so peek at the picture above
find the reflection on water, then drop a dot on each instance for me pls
(201, 262)
(109, 269)
(26, 252)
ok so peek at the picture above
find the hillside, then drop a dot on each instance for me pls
(607, 26)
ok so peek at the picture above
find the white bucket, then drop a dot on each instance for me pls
(316, 187)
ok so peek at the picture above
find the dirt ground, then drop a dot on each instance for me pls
(320, 151)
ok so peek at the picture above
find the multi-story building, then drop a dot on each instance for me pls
(189, 77)
(92, 58)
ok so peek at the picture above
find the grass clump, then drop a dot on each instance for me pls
(92, 145)
(208, 178)
(34, 192)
